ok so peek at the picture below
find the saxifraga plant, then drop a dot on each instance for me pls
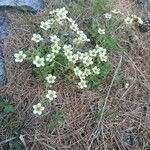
(63, 50)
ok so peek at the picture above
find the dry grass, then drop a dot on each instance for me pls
(128, 110)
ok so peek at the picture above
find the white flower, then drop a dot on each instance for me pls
(73, 59)
(52, 12)
(101, 31)
(140, 21)
(77, 41)
(51, 95)
(50, 21)
(80, 40)
(80, 32)
(82, 76)
(77, 71)
(101, 50)
(115, 11)
(45, 25)
(121, 13)
(38, 109)
(50, 78)
(67, 47)
(36, 38)
(61, 13)
(126, 85)
(107, 16)
(50, 57)
(129, 20)
(54, 39)
(55, 48)
(93, 53)
(103, 58)
(68, 53)
(82, 37)
(70, 20)
(87, 72)
(74, 27)
(82, 84)
(82, 55)
(59, 21)
(38, 61)
(19, 57)
(96, 70)
(87, 60)
(134, 16)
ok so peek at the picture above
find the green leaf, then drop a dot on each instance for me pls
(94, 30)
(61, 59)
(9, 109)
(60, 64)
(51, 126)
(43, 49)
(99, 5)
(57, 116)
(42, 72)
(93, 81)
(109, 43)
(106, 68)
(15, 145)
(62, 41)
(118, 78)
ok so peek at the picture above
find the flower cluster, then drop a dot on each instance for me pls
(115, 11)
(83, 62)
(128, 20)
(80, 61)
(108, 16)
(133, 18)
(45, 25)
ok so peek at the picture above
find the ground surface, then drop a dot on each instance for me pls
(126, 123)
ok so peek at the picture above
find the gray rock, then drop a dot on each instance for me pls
(3, 34)
(144, 5)
(127, 138)
(2, 69)
(30, 5)
(3, 25)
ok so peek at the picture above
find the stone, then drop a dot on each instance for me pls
(144, 5)
(3, 25)
(2, 69)
(3, 34)
(30, 5)
(128, 138)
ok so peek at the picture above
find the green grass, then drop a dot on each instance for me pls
(56, 118)
(99, 5)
